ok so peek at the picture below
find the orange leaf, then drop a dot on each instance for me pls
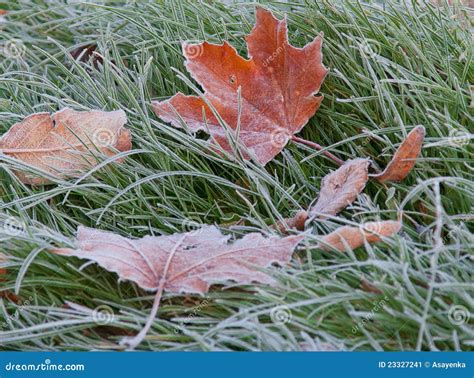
(278, 86)
(297, 222)
(405, 157)
(354, 237)
(56, 144)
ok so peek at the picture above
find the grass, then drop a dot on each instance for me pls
(392, 67)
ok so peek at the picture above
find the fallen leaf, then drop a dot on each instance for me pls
(88, 53)
(84, 53)
(341, 187)
(182, 263)
(56, 144)
(353, 237)
(297, 222)
(277, 87)
(405, 157)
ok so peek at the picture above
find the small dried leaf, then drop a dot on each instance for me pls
(405, 157)
(341, 187)
(84, 54)
(56, 144)
(277, 87)
(348, 237)
(297, 222)
(198, 258)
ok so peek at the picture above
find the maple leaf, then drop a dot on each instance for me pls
(277, 87)
(188, 262)
(349, 237)
(341, 187)
(404, 158)
(56, 144)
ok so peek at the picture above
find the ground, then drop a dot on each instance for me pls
(391, 67)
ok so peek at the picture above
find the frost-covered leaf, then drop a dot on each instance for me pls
(182, 263)
(405, 157)
(341, 187)
(62, 144)
(277, 87)
(349, 237)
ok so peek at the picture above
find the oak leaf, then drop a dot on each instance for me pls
(353, 237)
(56, 144)
(277, 87)
(404, 158)
(341, 187)
(182, 263)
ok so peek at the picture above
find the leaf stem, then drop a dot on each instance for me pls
(317, 147)
(133, 342)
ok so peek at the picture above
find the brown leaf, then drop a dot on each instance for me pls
(183, 263)
(405, 157)
(354, 237)
(57, 144)
(84, 53)
(277, 86)
(297, 222)
(341, 187)
(199, 258)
